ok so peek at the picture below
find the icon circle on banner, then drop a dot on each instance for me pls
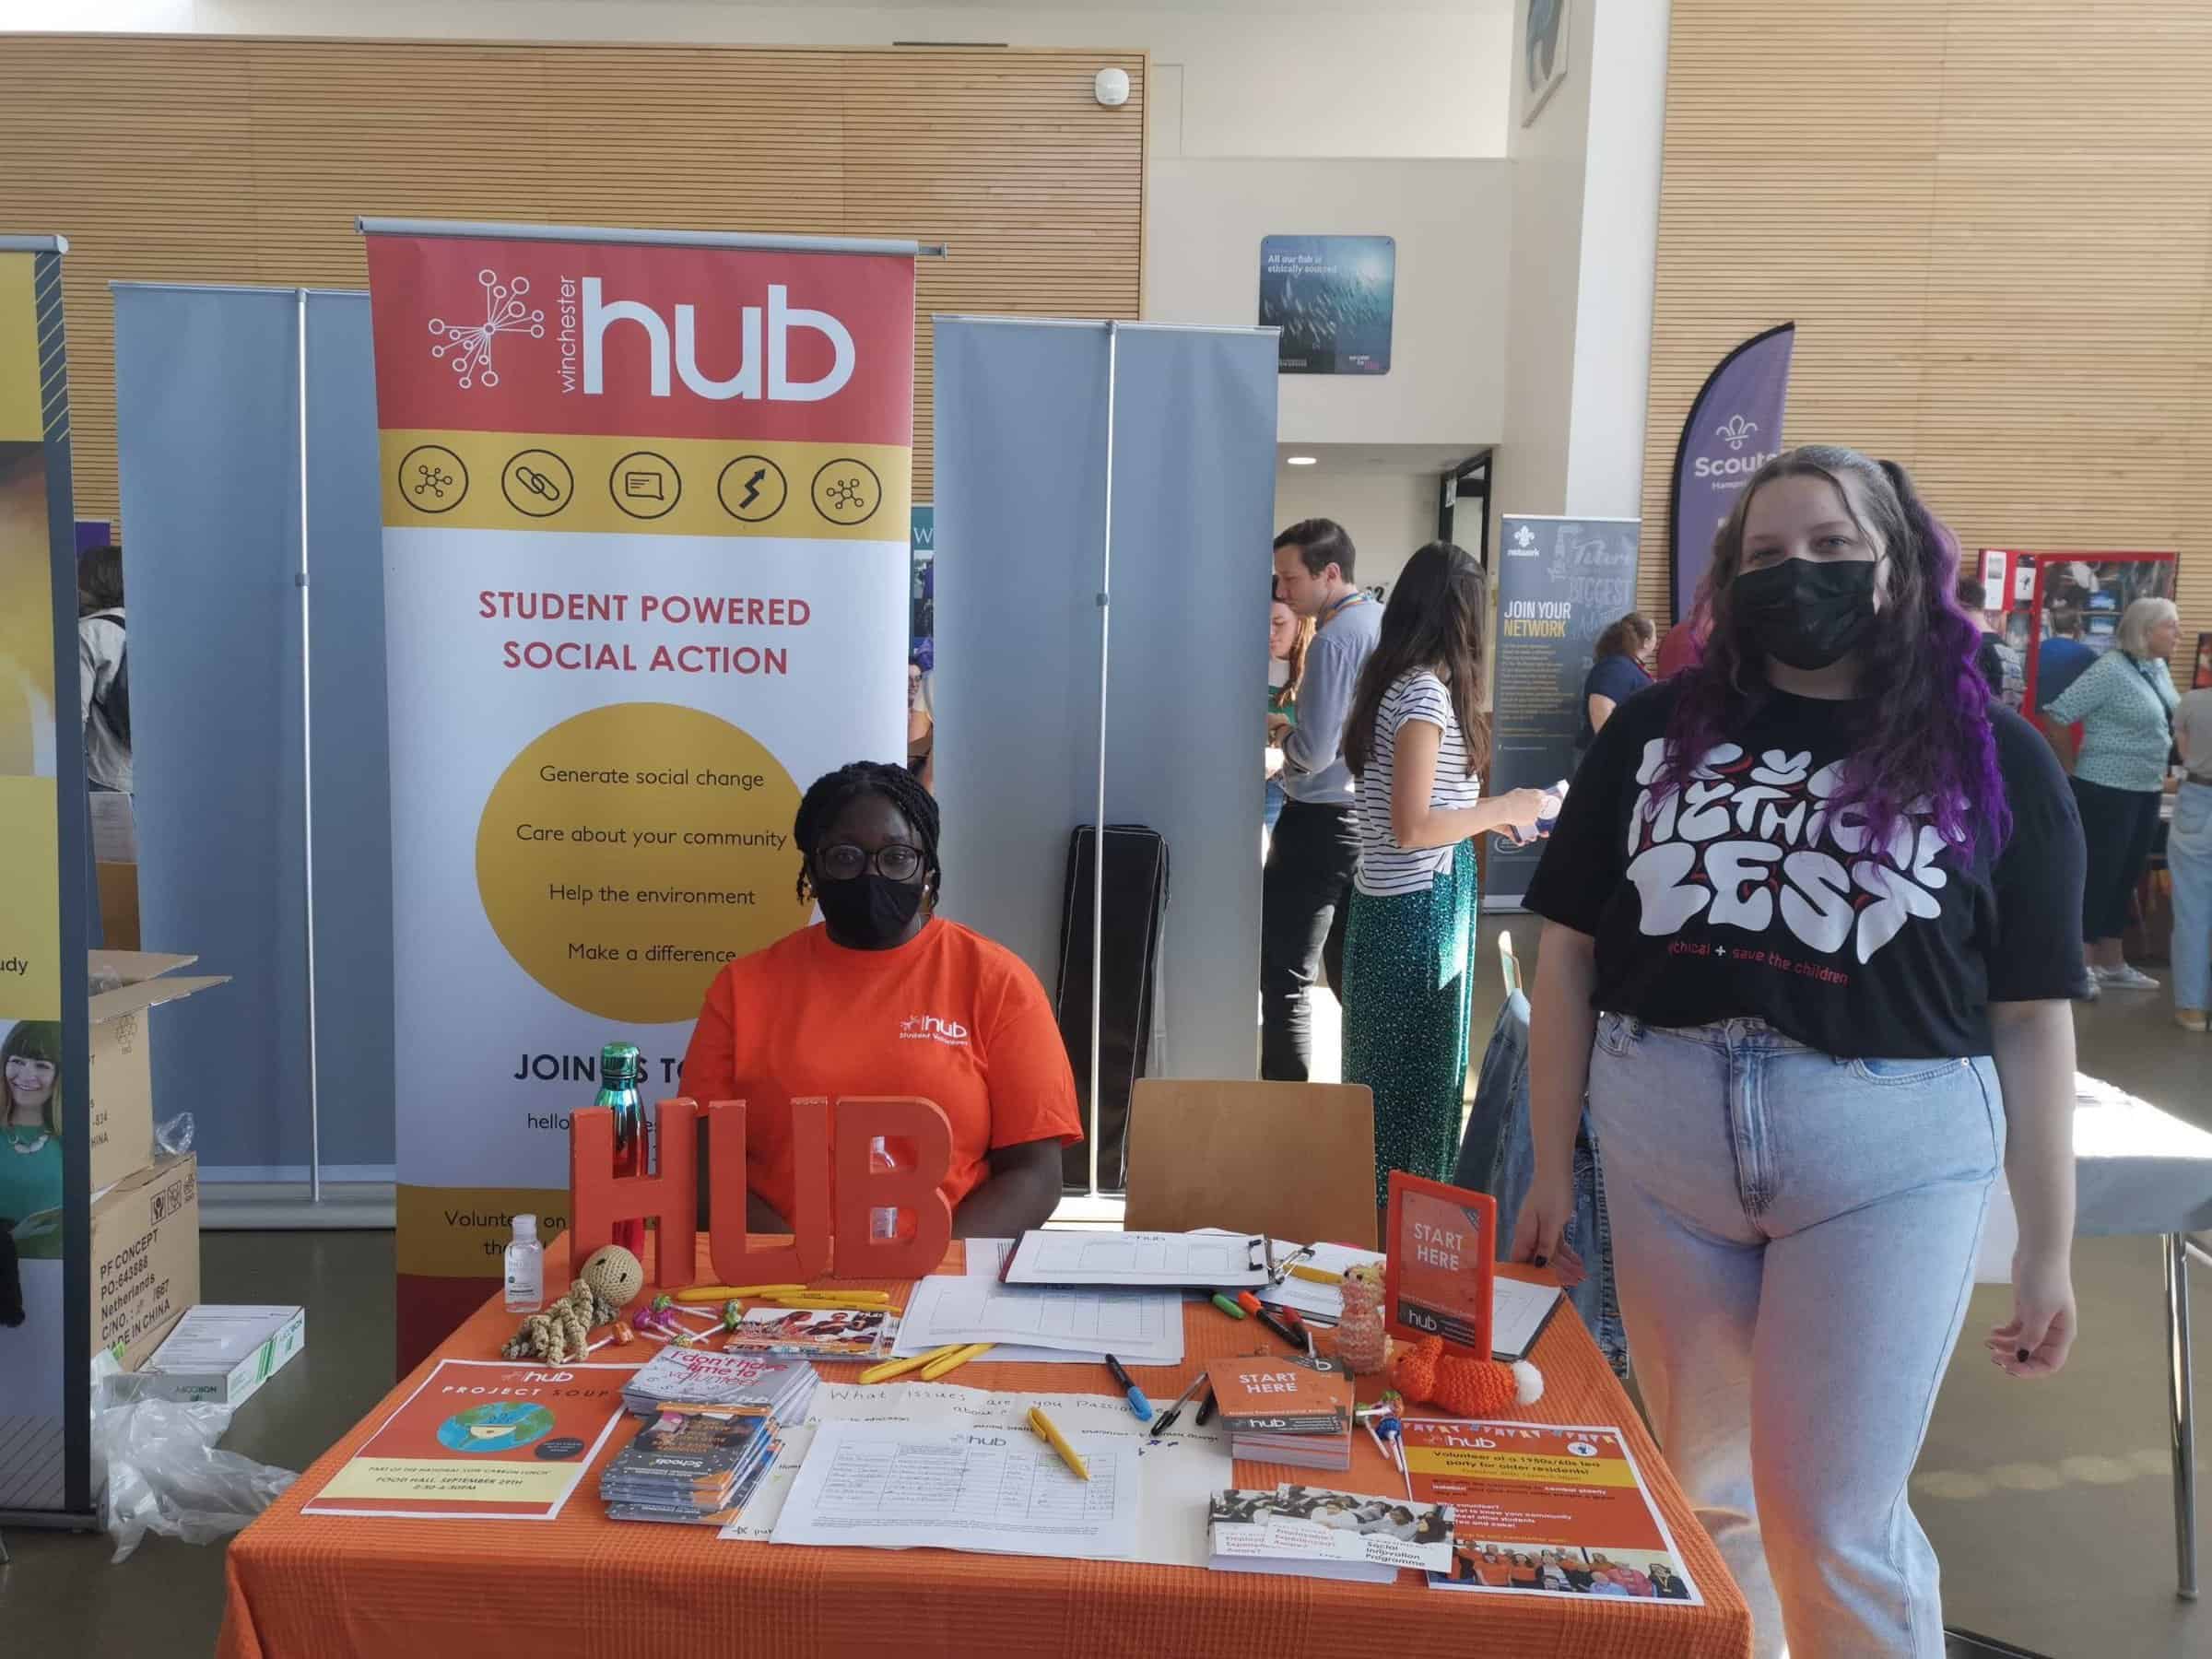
(432, 478)
(847, 491)
(495, 1426)
(537, 483)
(752, 488)
(644, 485)
(628, 852)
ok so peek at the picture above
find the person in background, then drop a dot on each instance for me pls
(2189, 861)
(2061, 659)
(103, 691)
(1290, 636)
(2126, 706)
(920, 724)
(1416, 733)
(1683, 645)
(1615, 675)
(1306, 891)
(1807, 953)
(31, 1125)
(827, 1013)
(2001, 663)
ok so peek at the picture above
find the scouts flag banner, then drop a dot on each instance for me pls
(1734, 428)
(646, 577)
(45, 1163)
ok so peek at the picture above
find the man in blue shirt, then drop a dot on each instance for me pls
(1306, 892)
(2060, 659)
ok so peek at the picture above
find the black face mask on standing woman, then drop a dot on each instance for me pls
(870, 911)
(1804, 612)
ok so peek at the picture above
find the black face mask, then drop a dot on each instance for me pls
(1807, 613)
(870, 911)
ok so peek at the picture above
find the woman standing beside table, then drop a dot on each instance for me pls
(1808, 945)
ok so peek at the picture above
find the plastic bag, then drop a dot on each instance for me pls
(172, 1136)
(166, 1475)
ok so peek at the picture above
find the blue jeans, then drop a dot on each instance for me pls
(2189, 859)
(1273, 808)
(1498, 1156)
(1795, 1245)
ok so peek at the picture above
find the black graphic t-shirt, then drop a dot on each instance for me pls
(1742, 896)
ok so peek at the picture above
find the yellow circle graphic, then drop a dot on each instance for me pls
(631, 851)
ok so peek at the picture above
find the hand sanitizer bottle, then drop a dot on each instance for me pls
(887, 1224)
(526, 1268)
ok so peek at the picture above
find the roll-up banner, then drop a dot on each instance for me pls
(1734, 428)
(1560, 582)
(647, 572)
(45, 1168)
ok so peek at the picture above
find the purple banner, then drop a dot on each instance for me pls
(1734, 428)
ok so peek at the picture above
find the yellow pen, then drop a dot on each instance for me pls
(1057, 1440)
(1316, 1276)
(899, 1367)
(715, 1293)
(960, 1356)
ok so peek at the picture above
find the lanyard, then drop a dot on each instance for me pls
(1328, 616)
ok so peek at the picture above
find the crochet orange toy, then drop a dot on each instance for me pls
(1464, 1387)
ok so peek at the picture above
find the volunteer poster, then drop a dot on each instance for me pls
(1544, 1509)
(646, 548)
(1560, 582)
(481, 1441)
(45, 1342)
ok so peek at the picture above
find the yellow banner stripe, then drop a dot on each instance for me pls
(1537, 1468)
(462, 1232)
(664, 486)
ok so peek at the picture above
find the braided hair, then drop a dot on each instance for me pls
(833, 792)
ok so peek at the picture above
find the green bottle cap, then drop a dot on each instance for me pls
(618, 1063)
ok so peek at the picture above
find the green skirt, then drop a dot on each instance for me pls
(1408, 970)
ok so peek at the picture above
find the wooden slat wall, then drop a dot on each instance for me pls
(207, 159)
(1992, 222)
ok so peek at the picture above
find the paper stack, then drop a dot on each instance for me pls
(816, 1332)
(694, 1467)
(1285, 1408)
(691, 1376)
(1309, 1533)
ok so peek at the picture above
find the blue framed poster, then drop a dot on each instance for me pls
(1332, 296)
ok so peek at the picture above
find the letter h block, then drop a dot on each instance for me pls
(598, 1197)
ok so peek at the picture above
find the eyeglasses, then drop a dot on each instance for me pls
(845, 862)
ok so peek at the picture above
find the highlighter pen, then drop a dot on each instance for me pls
(1049, 1431)
(1127, 1384)
(1267, 1318)
(1222, 1302)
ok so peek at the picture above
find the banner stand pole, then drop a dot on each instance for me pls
(307, 793)
(1098, 858)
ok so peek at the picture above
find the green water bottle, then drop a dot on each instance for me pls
(618, 1068)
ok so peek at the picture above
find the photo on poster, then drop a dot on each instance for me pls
(31, 1171)
(1332, 296)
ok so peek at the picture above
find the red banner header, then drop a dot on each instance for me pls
(641, 339)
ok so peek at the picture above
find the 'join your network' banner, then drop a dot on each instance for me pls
(646, 577)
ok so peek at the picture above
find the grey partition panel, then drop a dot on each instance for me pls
(208, 431)
(1021, 446)
(208, 434)
(356, 1054)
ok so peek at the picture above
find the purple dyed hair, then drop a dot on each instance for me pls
(1925, 743)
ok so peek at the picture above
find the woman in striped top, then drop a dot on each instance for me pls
(2126, 706)
(1414, 738)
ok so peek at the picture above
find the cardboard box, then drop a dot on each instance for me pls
(223, 1354)
(146, 1258)
(122, 1083)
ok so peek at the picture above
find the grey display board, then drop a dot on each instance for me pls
(1021, 500)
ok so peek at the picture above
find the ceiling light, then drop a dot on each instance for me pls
(1301, 460)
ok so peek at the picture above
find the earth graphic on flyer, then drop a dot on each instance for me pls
(501, 1425)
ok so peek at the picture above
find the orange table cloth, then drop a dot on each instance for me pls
(302, 1586)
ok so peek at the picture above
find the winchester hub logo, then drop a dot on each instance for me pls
(747, 351)
(928, 1027)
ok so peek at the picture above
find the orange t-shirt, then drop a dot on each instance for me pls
(949, 1015)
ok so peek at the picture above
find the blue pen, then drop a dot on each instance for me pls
(1127, 1384)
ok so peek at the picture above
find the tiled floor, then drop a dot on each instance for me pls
(2049, 1503)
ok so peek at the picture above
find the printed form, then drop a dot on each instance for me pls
(998, 1491)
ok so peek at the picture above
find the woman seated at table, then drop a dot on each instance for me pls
(884, 997)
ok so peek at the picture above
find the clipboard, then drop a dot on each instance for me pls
(1138, 1261)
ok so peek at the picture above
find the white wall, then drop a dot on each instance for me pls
(1446, 382)
(1387, 514)
(1238, 77)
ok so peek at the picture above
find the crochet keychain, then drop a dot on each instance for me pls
(1463, 1385)
(610, 1281)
